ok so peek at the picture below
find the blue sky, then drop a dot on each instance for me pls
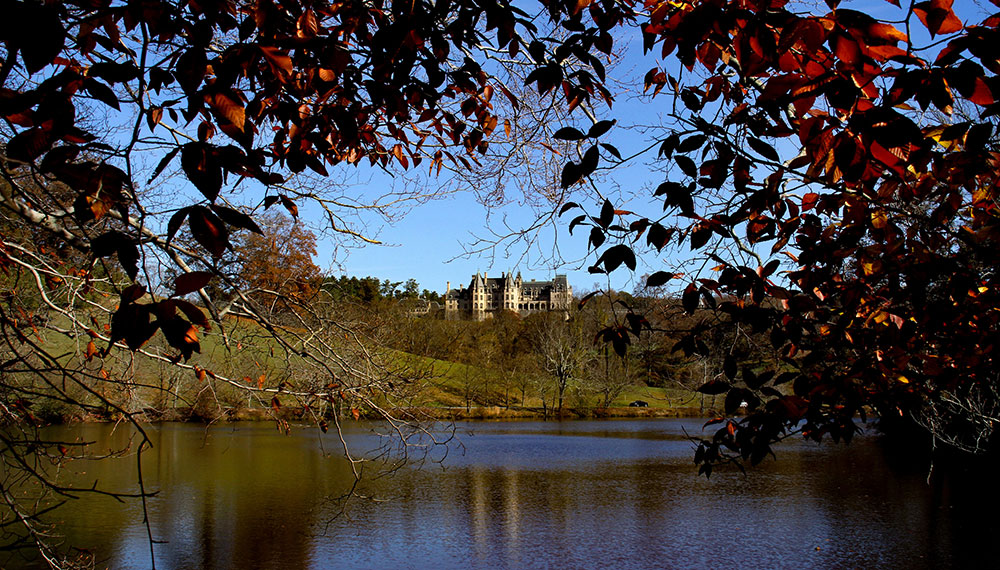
(429, 243)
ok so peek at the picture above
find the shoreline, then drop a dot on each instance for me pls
(417, 413)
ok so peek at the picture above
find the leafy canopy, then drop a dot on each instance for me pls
(838, 174)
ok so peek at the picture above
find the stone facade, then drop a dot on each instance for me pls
(485, 296)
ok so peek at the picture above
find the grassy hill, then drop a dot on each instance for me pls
(438, 387)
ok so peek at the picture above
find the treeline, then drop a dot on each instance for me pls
(277, 270)
(371, 289)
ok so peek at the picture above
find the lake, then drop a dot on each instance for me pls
(527, 494)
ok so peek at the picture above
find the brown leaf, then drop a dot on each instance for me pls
(102, 93)
(190, 69)
(307, 26)
(154, 116)
(714, 387)
(280, 63)
(181, 335)
(163, 164)
(133, 293)
(237, 219)
(229, 108)
(193, 313)
(131, 323)
(30, 144)
(206, 130)
(659, 278)
(879, 220)
(46, 38)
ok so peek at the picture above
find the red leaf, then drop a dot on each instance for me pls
(30, 144)
(809, 201)
(886, 157)
(982, 95)
(938, 17)
(846, 49)
(208, 230)
(191, 282)
(202, 168)
(886, 32)
(690, 298)
(289, 205)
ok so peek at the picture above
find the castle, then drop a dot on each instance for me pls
(485, 296)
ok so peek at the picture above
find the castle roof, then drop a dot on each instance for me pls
(482, 281)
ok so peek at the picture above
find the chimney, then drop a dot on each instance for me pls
(447, 287)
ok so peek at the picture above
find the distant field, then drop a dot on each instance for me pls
(444, 384)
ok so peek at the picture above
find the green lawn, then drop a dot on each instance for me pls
(251, 354)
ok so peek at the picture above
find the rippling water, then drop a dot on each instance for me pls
(580, 494)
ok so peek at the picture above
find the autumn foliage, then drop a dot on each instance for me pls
(231, 93)
(144, 140)
(279, 263)
(840, 177)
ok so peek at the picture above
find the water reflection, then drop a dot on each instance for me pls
(598, 494)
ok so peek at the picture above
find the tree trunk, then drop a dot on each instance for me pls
(562, 390)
